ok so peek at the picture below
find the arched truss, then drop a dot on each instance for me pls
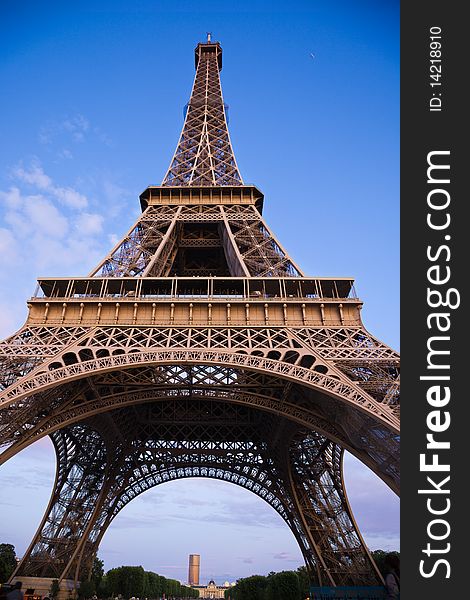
(106, 461)
(360, 378)
(80, 390)
(55, 408)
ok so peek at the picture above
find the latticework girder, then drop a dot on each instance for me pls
(105, 463)
(204, 154)
(315, 474)
(151, 247)
(59, 406)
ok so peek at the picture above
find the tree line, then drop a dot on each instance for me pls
(287, 585)
(7, 561)
(123, 582)
(135, 581)
(126, 582)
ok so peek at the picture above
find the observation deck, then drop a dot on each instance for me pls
(198, 301)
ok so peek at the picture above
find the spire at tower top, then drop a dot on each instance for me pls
(204, 155)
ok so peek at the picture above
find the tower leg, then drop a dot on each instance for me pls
(317, 487)
(57, 548)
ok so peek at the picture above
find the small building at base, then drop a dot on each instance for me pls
(212, 590)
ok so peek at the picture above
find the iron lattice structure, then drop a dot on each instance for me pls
(198, 348)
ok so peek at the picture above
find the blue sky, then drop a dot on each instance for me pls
(90, 115)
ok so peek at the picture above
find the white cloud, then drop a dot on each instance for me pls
(89, 223)
(45, 135)
(282, 556)
(77, 125)
(117, 197)
(70, 197)
(20, 224)
(45, 218)
(45, 230)
(65, 153)
(8, 246)
(12, 198)
(103, 137)
(34, 176)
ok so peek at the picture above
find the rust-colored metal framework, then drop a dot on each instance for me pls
(198, 348)
(193, 570)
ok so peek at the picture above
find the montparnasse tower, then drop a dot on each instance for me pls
(194, 568)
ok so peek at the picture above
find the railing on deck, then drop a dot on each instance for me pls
(284, 288)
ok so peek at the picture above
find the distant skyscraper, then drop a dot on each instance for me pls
(194, 563)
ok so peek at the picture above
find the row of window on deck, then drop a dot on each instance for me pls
(212, 287)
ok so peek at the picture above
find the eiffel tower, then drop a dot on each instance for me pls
(198, 348)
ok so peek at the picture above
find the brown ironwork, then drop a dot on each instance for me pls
(198, 348)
